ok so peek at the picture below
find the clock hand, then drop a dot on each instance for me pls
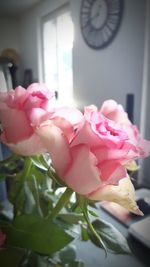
(91, 19)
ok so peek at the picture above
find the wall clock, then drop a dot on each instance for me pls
(100, 21)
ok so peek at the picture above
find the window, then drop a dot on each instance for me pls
(57, 54)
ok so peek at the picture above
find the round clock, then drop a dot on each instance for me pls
(100, 21)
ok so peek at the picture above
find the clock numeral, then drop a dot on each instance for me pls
(92, 38)
(86, 4)
(85, 11)
(87, 31)
(112, 20)
(110, 26)
(85, 21)
(115, 14)
(89, 2)
(107, 32)
(113, 5)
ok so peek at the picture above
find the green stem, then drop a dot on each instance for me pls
(61, 202)
(94, 231)
(26, 169)
(37, 197)
(83, 204)
(55, 177)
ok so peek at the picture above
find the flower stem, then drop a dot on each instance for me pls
(61, 202)
(93, 231)
(26, 169)
(83, 204)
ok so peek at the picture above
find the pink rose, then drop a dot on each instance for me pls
(22, 111)
(2, 238)
(111, 139)
(92, 162)
(19, 109)
(115, 112)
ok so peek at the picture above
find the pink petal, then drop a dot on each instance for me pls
(35, 115)
(28, 147)
(85, 135)
(112, 172)
(82, 175)
(115, 112)
(65, 126)
(105, 153)
(40, 90)
(72, 115)
(108, 106)
(56, 144)
(88, 111)
(15, 125)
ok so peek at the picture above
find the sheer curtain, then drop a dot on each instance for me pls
(57, 54)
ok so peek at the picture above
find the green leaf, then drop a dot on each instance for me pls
(16, 194)
(68, 254)
(93, 213)
(10, 257)
(114, 241)
(29, 203)
(41, 177)
(2, 176)
(37, 234)
(39, 163)
(71, 217)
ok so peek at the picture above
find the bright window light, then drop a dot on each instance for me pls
(57, 55)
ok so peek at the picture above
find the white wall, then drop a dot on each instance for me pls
(144, 173)
(109, 73)
(116, 70)
(9, 33)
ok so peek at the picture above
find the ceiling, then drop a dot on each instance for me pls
(16, 7)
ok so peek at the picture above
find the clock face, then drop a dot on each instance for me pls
(100, 21)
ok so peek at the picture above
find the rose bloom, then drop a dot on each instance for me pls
(92, 163)
(21, 111)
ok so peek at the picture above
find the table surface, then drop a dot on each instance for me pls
(93, 256)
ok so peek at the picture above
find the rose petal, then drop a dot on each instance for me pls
(28, 147)
(72, 115)
(123, 194)
(40, 90)
(56, 144)
(115, 112)
(112, 172)
(15, 125)
(105, 153)
(35, 115)
(85, 135)
(82, 176)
